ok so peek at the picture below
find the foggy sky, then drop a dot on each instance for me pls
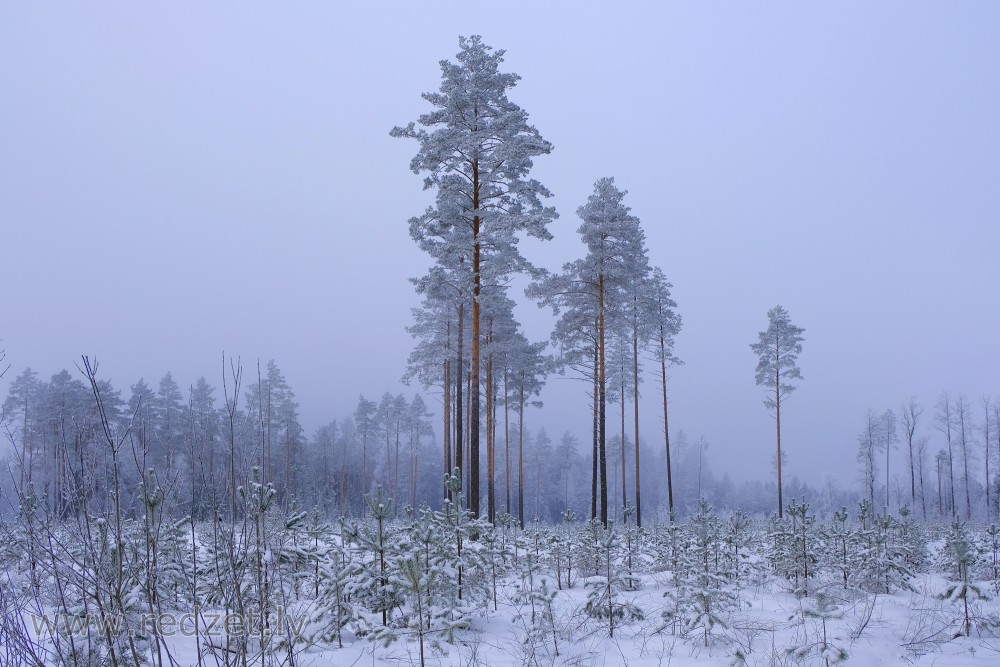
(183, 180)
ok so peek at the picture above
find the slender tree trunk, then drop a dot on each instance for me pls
(468, 431)
(364, 465)
(494, 405)
(491, 506)
(237, 373)
(446, 417)
(777, 416)
(474, 368)
(666, 421)
(996, 422)
(342, 490)
(566, 487)
(602, 404)
(520, 455)
(395, 481)
(288, 461)
(413, 473)
(624, 483)
(940, 508)
(870, 455)
(26, 449)
(913, 477)
(923, 496)
(459, 412)
(888, 446)
(538, 484)
(635, 408)
(962, 418)
(968, 497)
(986, 440)
(951, 480)
(388, 481)
(951, 456)
(268, 461)
(595, 438)
(506, 437)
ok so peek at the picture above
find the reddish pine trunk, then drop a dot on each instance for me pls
(474, 367)
(602, 404)
(459, 413)
(594, 454)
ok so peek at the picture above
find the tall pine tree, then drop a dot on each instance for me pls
(476, 149)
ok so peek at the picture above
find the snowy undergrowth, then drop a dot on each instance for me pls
(439, 588)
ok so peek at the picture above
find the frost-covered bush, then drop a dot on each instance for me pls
(703, 594)
(794, 547)
(989, 563)
(604, 591)
(961, 554)
(841, 548)
(819, 640)
(374, 543)
(885, 557)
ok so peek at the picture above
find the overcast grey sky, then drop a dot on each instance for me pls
(182, 179)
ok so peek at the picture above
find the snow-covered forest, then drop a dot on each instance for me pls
(152, 524)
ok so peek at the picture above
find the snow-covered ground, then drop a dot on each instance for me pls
(911, 628)
(902, 628)
(709, 591)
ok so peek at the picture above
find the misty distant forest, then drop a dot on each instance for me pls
(412, 519)
(948, 446)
